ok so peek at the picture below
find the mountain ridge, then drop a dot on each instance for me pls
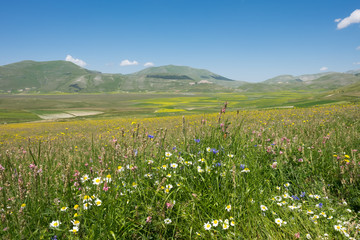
(67, 77)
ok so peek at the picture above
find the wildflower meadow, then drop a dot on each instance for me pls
(246, 174)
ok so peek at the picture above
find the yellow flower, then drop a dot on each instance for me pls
(86, 198)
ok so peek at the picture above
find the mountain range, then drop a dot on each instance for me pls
(67, 77)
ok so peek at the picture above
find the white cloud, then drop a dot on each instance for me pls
(78, 62)
(353, 18)
(358, 48)
(323, 69)
(128, 63)
(337, 20)
(148, 64)
(356, 63)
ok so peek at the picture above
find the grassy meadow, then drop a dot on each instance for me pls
(27, 108)
(249, 174)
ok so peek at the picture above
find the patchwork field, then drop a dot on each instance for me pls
(281, 173)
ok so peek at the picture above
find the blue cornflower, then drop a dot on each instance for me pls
(295, 197)
(218, 164)
(150, 136)
(136, 152)
(320, 205)
(242, 166)
(214, 150)
(302, 194)
(197, 140)
(173, 148)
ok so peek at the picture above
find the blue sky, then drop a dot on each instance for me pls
(250, 40)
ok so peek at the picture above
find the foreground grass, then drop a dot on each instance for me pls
(270, 174)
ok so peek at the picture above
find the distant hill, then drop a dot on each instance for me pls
(291, 78)
(320, 82)
(63, 76)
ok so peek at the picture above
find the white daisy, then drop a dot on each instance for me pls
(215, 223)
(84, 178)
(228, 208)
(263, 208)
(97, 181)
(278, 221)
(98, 202)
(74, 230)
(207, 226)
(55, 224)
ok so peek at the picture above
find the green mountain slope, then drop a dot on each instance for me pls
(54, 76)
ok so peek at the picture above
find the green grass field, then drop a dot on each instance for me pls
(252, 174)
(27, 108)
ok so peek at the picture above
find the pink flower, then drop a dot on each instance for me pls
(297, 235)
(301, 160)
(77, 173)
(105, 188)
(274, 165)
(148, 219)
(32, 166)
(169, 205)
